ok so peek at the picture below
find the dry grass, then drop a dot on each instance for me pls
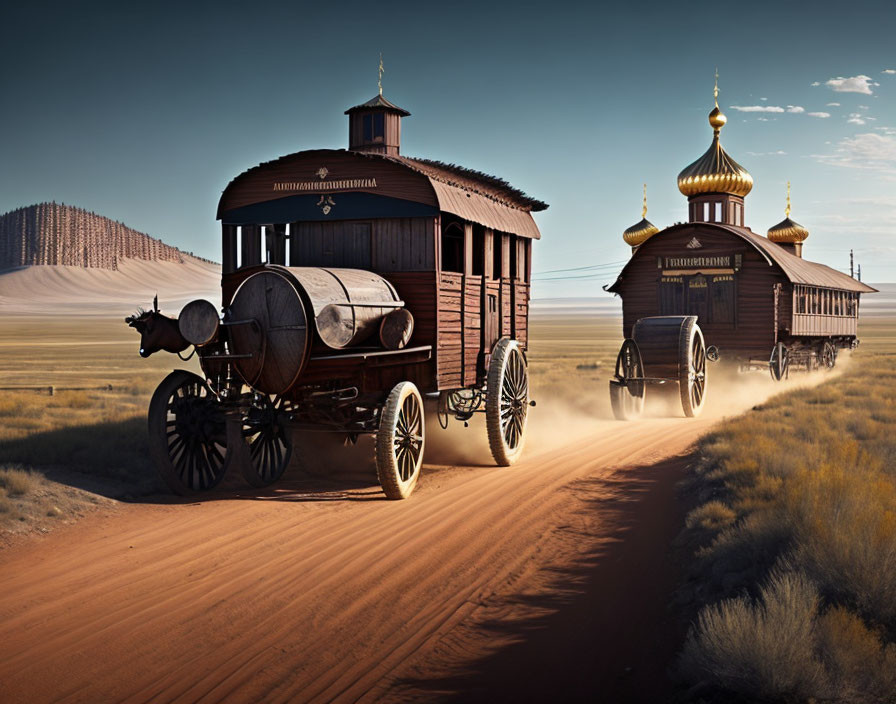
(16, 481)
(92, 432)
(800, 496)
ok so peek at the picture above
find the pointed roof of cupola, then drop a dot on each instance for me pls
(715, 171)
(378, 101)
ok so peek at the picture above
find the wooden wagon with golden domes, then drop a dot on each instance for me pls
(712, 289)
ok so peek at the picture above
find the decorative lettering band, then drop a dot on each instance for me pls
(325, 186)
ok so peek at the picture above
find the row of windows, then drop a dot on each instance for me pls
(711, 298)
(495, 257)
(809, 300)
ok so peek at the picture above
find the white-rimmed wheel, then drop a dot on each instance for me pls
(399, 441)
(692, 368)
(187, 434)
(507, 402)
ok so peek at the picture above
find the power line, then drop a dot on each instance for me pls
(609, 265)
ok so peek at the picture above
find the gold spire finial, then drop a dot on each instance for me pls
(715, 90)
(644, 207)
(787, 209)
(379, 81)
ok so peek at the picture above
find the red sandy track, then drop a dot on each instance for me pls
(310, 593)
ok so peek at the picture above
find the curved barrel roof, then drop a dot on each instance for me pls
(471, 195)
(796, 269)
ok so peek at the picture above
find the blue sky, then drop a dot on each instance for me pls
(145, 113)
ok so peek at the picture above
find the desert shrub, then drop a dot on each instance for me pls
(17, 481)
(844, 519)
(860, 667)
(760, 650)
(713, 515)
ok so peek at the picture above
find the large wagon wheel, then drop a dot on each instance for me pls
(691, 368)
(507, 402)
(626, 389)
(400, 440)
(828, 355)
(269, 442)
(187, 434)
(779, 362)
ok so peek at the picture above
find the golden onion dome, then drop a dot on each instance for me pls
(715, 171)
(787, 231)
(640, 232)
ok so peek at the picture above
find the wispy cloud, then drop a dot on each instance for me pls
(833, 105)
(819, 114)
(777, 153)
(875, 152)
(856, 119)
(757, 108)
(889, 70)
(854, 84)
(795, 108)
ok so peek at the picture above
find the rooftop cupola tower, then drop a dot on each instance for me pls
(787, 233)
(716, 184)
(375, 126)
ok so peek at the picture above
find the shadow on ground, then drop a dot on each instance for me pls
(599, 631)
(112, 459)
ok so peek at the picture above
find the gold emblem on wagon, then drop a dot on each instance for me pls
(326, 204)
(322, 172)
(694, 244)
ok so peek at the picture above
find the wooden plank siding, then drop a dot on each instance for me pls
(521, 313)
(472, 332)
(449, 353)
(753, 329)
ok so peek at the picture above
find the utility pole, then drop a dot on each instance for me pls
(860, 272)
(851, 269)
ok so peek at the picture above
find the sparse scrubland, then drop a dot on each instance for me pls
(88, 439)
(792, 582)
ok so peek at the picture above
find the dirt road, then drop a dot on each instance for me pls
(314, 591)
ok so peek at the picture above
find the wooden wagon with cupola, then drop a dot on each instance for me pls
(712, 289)
(356, 283)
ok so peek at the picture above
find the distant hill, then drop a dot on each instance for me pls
(58, 234)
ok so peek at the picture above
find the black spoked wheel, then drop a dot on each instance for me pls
(507, 402)
(626, 389)
(692, 369)
(400, 441)
(187, 434)
(779, 362)
(269, 442)
(828, 355)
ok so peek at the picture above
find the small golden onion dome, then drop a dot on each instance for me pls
(787, 231)
(640, 232)
(717, 118)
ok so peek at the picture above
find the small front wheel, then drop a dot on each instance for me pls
(187, 434)
(399, 441)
